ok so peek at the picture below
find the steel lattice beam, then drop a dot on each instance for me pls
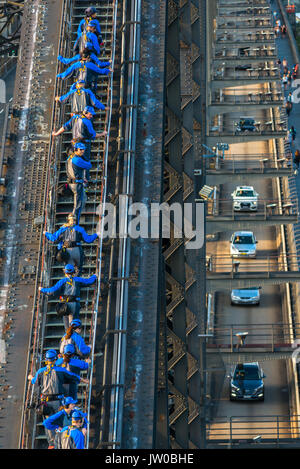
(185, 277)
(10, 26)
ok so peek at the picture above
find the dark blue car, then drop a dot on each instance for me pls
(246, 382)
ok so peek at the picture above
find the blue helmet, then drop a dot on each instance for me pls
(51, 354)
(89, 109)
(79, 146)
(69, 400)
(90, 11)
(69, 349)
(69, 268)
(75, 323)
(76, 415)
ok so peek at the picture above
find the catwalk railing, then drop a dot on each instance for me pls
(252, 97)
(115, 350)
(262, 210)
(256, 336)
(255, 430)
(258, 163)
(260, 262)
(250, 73)
(255, 128)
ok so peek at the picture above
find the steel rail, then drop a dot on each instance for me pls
(103, 199)
(112, 413)
(106, 371)
(119, 358)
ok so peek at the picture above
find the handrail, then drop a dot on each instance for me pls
(269, 207)
(4, 136)
(121, 316)
(249, 98)
(235, 127)
(265, 73)
(233, 165)
(225, 263)
(103, 201)
(113, 414)
(243, 429)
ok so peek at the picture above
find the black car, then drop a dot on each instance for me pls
(246, 124)
(243, 67)
(246, 382)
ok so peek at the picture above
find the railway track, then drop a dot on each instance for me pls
(47, 329)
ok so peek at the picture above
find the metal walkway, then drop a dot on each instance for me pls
(24, 166)
(48, 330)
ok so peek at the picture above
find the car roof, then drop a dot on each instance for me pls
(252, 364)
(244, 187)
(240, 233)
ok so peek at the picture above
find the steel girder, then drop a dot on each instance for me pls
(10, 26)
(185, 272)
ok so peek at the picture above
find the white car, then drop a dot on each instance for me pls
(247, 296)
(244, 198)
(243, 244)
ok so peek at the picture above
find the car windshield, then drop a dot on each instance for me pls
(247, 121)
(249, 372)
(243, 240)
(245, 292)
(244, 193)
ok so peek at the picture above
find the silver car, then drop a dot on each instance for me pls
(243, 244)
(247, 296)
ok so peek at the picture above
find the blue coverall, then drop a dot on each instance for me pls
(71, 438)
(87, 40)
(75, 365)
(84, 70)
(69, 238)
(51, 381)
(77, 171)
(83, 25)
(69, 289)
(80, 98)
(82, 131)
(81, 349)
(77, 57)
(60, 420)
